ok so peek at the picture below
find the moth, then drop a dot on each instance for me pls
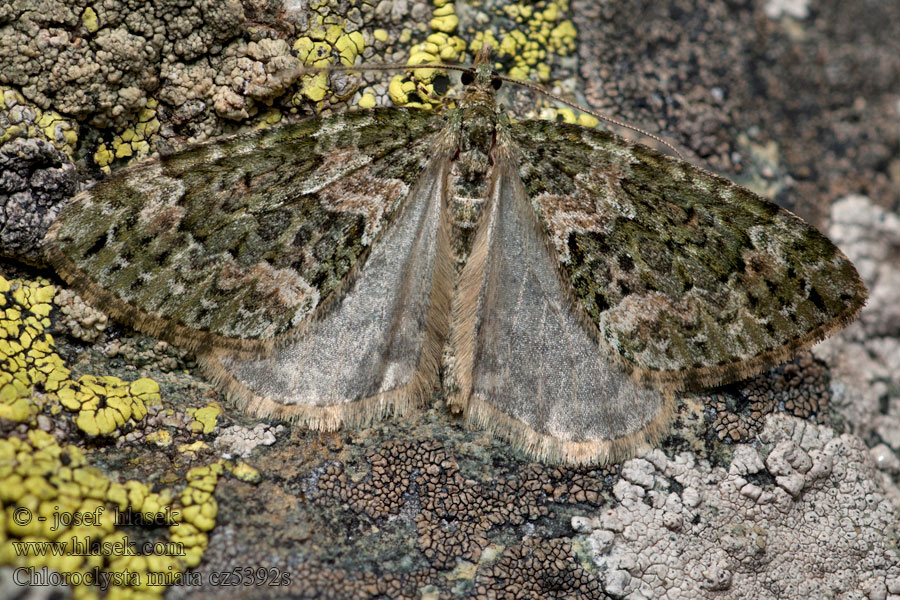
(559, 284)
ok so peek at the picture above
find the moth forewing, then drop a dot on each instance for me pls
(241, 242)
(692, 280)
(377, 351)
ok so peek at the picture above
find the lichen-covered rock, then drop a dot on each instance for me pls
(865, 358)
(803, 515)
(427, 519)
(140, 351)
(82, 320)
(44, 482)
(799, 387)
(35, 180)
(99, 62)
(241, 441)
(494, 526)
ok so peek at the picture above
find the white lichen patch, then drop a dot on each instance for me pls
(801, 516)
(775, 9)
(238, 441)
(865, 358)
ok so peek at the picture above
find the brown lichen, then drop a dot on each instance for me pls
(461, 520)
(799, 388)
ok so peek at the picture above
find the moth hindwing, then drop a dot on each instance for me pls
(322, 272)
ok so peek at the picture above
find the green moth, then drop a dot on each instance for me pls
(560, 283)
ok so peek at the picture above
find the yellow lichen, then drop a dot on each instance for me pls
(52, 496)
(586, 120)
(199, 512)
(543, 72)
(313, 53)
(481, 38)
(123, 150)
(145, 389)
(89, 20)
(566, 114)
(133, 141)
(396, 92)
(444, 19)
(193, 448)
(563, 37)
(14, 399)
(521, 51)
(104, 404)
(244, 472)
(422, 57)
(161, 438)
(26, 351)
(544, 30)
(62, 132)
(205, 418)
(325, 36)
(315, 87)
(268, 118)
(332, 33)
(103, 157)
(367, 101)
(449, 47)
(47, 124)
(349, 46)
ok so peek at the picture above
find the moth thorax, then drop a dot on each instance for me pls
(478, 125)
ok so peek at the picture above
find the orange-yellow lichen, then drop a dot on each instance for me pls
(244, 472)
(28, 359)
(104, 404)
(315, 49)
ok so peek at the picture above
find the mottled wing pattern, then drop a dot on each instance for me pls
(603, 277)
(378, 350)
(527, 368)
(691, 279)
(234, 243)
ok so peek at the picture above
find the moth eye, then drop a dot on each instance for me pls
(467, 78)
(441, 84)
(496, 83)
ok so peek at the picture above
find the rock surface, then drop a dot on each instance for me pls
(782, 486)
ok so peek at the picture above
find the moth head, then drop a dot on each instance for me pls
(482, 75)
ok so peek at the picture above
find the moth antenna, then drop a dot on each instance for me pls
(386, 67)
(526, 84)
(535, 87)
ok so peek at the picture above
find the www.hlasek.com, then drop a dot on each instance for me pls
(85, 544)
(88, 546)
